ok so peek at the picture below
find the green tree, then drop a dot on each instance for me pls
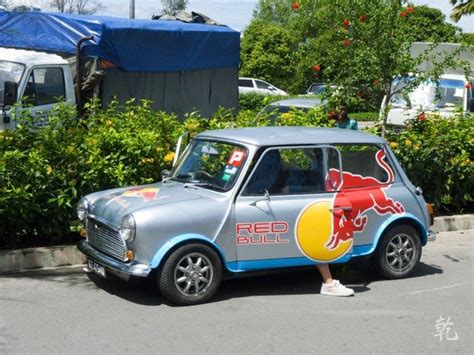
(428, 24)
(461, 8)
(314, 25)
(171, 7)
(267, 53)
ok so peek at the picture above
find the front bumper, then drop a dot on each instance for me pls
(431, 236)
(120, 269)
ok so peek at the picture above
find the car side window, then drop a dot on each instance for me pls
(288, 171)
(45, 86)
(365, 165)
(245, 83)
(262, 85)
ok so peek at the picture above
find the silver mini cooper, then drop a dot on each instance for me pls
(250, 199)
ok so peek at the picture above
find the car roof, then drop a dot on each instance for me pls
(297, 102)
(282, 136)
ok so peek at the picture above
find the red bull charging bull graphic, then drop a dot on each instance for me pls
(324, 229)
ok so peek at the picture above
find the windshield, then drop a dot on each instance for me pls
(316, 89)
(449, 95)
(9, 71)
(210, 164)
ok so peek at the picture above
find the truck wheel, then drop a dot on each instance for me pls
(398, 252)
(190, 275)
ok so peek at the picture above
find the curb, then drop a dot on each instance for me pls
(453, 223)
(39, 258)
(68, 255)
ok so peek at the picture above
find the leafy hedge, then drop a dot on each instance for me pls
(437, 154)
(44, 171)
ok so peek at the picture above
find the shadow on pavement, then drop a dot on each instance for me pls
(357, 275)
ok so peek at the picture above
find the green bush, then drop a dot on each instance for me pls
(365, 116)
(44, 171)
(437, 154)
(256, 102)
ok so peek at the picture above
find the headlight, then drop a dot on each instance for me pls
(127, 228)
(82, 209)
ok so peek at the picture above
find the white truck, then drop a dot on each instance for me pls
(451, 93)
(40, 79)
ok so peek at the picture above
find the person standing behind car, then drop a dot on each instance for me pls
(344, 121)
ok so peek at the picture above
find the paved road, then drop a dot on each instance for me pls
(66, 311)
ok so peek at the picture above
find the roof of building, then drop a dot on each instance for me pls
(282, 136)
(133, 45)
(29, 57)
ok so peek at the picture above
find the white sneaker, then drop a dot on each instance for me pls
(336, 289)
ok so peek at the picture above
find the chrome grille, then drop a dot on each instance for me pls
(105, 239)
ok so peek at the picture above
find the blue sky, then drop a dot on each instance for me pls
(237, 14)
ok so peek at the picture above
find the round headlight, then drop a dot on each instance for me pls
(127, 228)
(82, 209)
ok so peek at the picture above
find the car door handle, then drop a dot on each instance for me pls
(340, 210)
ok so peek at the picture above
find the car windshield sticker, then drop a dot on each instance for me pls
(231, 170)
(225, 177)
(236, 157)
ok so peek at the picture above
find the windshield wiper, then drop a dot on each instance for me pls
(204, 184)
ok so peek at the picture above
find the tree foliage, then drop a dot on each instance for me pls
(461, 8)
(85, 7)
(315, 31)
(171, 7)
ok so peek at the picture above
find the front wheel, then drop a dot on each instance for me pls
(190, 275)
(398, 252)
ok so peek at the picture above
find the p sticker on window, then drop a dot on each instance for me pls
(236, 157)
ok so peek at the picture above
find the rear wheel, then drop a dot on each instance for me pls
(191, 275)
(398, 252)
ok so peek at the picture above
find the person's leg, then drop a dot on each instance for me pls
(331, 287)
(325, 273)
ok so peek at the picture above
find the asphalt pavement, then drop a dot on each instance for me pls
(68, 311)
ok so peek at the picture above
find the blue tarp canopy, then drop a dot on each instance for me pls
(134, 45)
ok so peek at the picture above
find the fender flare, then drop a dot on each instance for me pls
(406, 218)
(184, 239)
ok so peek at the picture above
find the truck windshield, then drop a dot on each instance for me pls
(448, 95)
(9, 71)
(210, 164)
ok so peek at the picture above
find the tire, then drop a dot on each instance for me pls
(398, 252)
(190, 275)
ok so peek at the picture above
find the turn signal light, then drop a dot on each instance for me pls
(129, 255)
(83, 233)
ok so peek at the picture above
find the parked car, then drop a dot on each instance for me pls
(316, 89)
(454, 92)
(249, 85)
(275, 109)
(242, 200)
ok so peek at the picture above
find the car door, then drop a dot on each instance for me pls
(264, 88)
(285, 213)
(246, 86)
(44, 88)
(374, 189)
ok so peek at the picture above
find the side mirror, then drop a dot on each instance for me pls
(165, 174)
(10, 93)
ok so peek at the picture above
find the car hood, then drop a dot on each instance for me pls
(112, 205)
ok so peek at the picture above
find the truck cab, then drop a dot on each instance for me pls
(33, 81)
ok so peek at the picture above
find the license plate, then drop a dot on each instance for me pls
(98, 269)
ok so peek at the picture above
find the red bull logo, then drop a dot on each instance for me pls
(324, 229)
(148, 193)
